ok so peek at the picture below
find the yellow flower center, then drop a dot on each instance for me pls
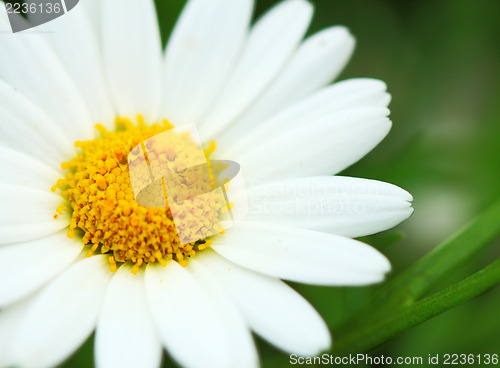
(105, 213)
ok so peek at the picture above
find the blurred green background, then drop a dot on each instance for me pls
(440, 59)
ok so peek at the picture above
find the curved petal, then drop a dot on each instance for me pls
(336, 142)
(316, 63)
(244, 352)
(340, 96)
(341, 205)
(261, 60)
(26, 171)
(175, 300)
(200, 54)
(302, 255)
(27, 214)
(132, 56)
(273, 309)
(25, 267)
(26, 128)
(75, 42)
(125, 334)
(10, 320)
(30, 65)
(62, 315)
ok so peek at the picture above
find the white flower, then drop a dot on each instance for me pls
(262, 95)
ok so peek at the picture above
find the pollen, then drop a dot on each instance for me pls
(104, 210)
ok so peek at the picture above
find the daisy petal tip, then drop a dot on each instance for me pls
(341, 30)
(321, 341)
(408, 212)
(323, 344)
(327, 342)
(387, 269)
(388, 123)
(339, 35)
(306, 5)
(377, 279)
(409, 197)
(381, 83)
(404, 196)
(344, 33)
(381, 268)
(387, 99)
(365, 82)
(384, 268)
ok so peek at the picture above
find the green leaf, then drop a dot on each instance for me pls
(372, 335)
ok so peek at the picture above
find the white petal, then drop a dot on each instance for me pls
(26, 128)
(125, 335)
(200, 54)
(77, 45)
(273, 309)
(316, 63)
(322, 147)
(93, 9)
(10, 319)
(340, 96)
(25, 267)
(30, 65)
(184, 313)
(26, 171)
(261, 60)
(302, 255)
(341, 205)
(27, 214)
(243, 350)
(132, 56)
(62, 315)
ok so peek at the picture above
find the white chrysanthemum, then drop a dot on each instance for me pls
(261, 93)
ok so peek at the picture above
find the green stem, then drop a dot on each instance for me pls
(371, 335)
